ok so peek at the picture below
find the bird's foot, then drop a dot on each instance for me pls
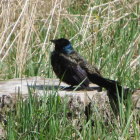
(88, 88)
(99, 89)
(68, 88)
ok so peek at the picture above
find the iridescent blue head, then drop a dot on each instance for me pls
(63, 45)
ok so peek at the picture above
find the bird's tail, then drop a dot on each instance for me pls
(111, 85)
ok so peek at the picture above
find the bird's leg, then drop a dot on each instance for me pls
(69, 88)
(88, 88)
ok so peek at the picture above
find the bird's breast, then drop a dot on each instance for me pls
(56, 64)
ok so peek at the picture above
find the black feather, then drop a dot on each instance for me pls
(73, 69)
(68, 71)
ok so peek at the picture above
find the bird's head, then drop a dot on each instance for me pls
(63, 45)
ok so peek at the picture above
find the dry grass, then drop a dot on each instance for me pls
(26, 26)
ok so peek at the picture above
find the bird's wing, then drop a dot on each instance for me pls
(74, 71)
(84, 64)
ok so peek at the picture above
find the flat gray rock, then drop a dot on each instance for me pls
(41, 86)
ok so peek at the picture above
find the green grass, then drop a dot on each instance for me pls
(47, 118)
(105, 32)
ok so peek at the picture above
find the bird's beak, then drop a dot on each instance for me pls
(53, 41)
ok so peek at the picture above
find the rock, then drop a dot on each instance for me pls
(40, 86)
(79, 101)
(11, 89)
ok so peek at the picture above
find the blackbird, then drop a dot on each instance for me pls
(74, 70)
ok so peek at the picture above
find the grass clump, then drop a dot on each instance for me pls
(39, 119)
(48, 117)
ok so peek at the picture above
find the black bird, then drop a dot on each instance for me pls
(73, 69)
